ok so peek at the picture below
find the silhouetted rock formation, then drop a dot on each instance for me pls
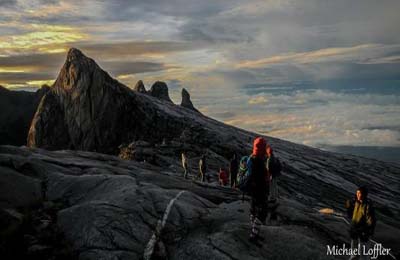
(139, 87)
(86, 109)
(17, 110)
(160, 90)
(186, 102)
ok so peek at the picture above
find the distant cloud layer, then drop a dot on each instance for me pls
(312, 71)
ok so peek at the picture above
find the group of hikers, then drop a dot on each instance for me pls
(202, 168)
(257, 175)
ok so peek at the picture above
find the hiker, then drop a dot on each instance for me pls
(274, 168)
(258, 188)
(202, 168)
(185, 165)
(222, 177)
(362, 214)
(233, 170)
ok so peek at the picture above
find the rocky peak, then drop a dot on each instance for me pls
(73, 113)
(139, 87)
(186, 102)
(160, 90)
(78, 68)
(88, 110)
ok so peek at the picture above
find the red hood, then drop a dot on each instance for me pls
(259, 147)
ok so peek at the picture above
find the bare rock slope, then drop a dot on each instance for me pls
(109, 208)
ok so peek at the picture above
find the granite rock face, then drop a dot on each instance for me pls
(17, 110)
(186, 102)
(86, 109)
(104, 207)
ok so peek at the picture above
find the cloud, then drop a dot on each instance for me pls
(36, 62)
(318, 116)
(132, 67)
(365, 53)
(7, 3)
(257, 100)
(114, 49)
(22, 77)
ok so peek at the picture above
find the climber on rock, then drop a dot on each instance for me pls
(258, 188)
(363, 221)
(233, 170)
(222, 177)
(202, 168)
(185, 165)
(274, 168)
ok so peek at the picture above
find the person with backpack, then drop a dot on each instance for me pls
(274, 168)
(202, 168)
(233, 170)
(363, 221)
(185, 165)
(258, 188)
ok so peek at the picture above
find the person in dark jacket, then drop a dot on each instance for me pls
(363, 221)
(233, 170)
(259, 188)
(274, 171)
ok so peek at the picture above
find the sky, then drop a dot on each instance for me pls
(317, 72)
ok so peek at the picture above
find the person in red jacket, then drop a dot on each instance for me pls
(222, 177)
(259, 188)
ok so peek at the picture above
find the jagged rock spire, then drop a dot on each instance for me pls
(160, 90)
(73, 113)
(139, 87)
(186, 102)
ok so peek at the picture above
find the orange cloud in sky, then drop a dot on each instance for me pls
(311, 56)
(34, 39)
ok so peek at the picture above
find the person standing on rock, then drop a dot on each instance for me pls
(363, 221)
(202, 168)
(185, 165)
(222, 177)
(233, 170)
(274, 168)
(258, 189)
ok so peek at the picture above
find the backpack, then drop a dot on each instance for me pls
(243, 176)
(275, 167)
